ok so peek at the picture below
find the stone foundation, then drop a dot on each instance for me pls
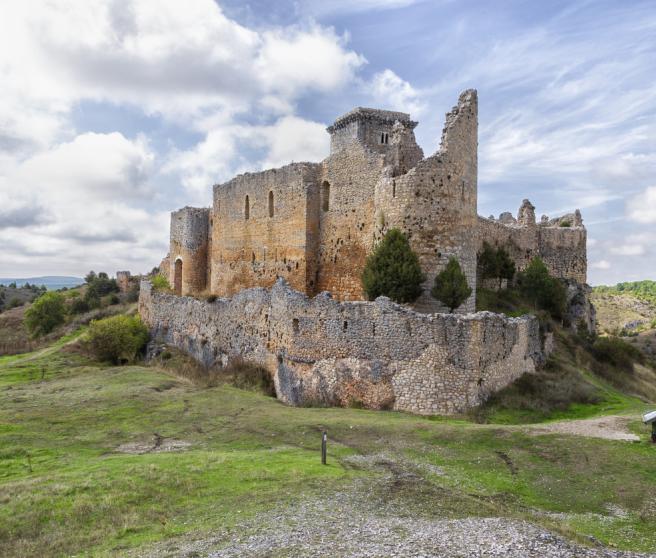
(375, 354)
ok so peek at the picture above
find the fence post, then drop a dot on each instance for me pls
(324, 443)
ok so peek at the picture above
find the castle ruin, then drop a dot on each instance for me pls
(276, 243)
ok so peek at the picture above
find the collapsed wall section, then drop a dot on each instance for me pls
(378, 354)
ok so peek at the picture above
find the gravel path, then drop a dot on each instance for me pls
(356, 524)
(609, 428)
(334, 528)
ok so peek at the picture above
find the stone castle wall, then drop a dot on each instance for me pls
(188, 249)
(379, 354)
(434, 203)
(562, 248)
(265, 226)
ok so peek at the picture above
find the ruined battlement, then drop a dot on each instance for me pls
(378, 354)
(559, 242)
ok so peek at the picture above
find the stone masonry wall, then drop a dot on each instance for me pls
(434, 203)
(562, 248)
(379, 354)
(276, 236)
(189, 244)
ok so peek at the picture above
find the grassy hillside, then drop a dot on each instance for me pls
(99, 460)
(643, 290)
(584, 376)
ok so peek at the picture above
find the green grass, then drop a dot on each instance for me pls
(65, 488)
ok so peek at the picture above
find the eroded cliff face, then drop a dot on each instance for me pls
(377, 354)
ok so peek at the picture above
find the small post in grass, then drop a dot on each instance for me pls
(324, 443)
(650, 418)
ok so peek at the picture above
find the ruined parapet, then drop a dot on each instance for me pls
(123, 281)
(404, 153)
(190, 232)
(379, 353)
(526, 214)
(507, 218)
(559, 242)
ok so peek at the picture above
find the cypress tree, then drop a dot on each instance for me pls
(451, 286)
(393, 270)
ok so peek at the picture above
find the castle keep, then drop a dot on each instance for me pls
(283, 251)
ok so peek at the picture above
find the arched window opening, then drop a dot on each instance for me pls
(325, 196)
(247, 209)
(271, 203)
(177, 277)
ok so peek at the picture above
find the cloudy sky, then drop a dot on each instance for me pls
(115, 112)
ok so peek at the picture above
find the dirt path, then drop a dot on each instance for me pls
(609, 428)
(13, 360)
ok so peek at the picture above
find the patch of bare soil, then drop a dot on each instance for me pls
(159, 444)
(608, 428)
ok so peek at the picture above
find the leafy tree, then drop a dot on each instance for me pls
(89, 277)
(451, 286)
(488, 263)
(546, 292)
(98, 286)
(506, 267)
(393, 270)
(495, 264)
(117, 339)
(46, 313)
(79, 306)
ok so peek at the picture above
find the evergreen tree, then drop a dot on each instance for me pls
(451, 286)
(393, 270)
(505, 266)
(488, 262)
(546, 292)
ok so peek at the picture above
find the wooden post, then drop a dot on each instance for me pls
(324, 442)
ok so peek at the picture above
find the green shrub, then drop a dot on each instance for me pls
(543, 290)
(565, 223)
(393, 270)
(14, 303)
(117, 339)
(160, 283)
(617, 353)
(133, 293)
(46, 313)
(495, 264)
(250, 376)
(451, 286)
(113, 299)
(100, 285)
(79, 306)
(488, 263)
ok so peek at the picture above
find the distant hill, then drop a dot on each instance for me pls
(644, 290)
(51, 282)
